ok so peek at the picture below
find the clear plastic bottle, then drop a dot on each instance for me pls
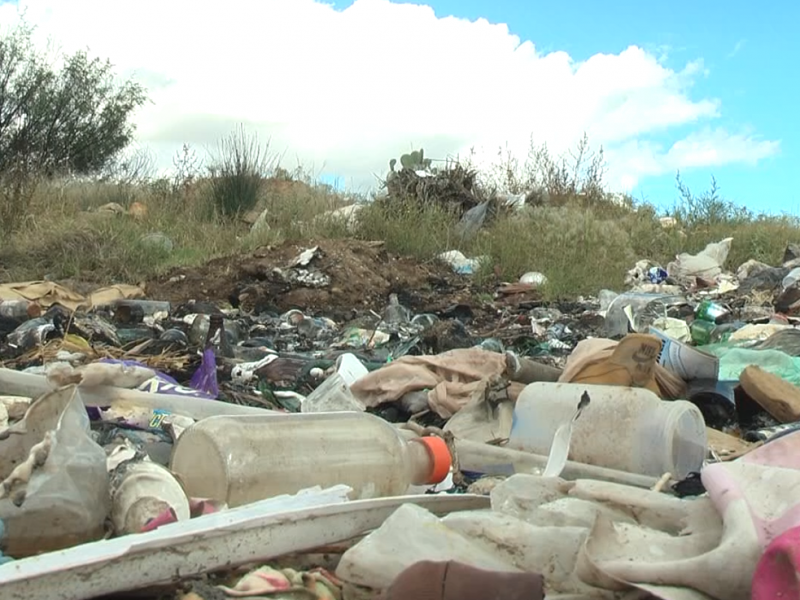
(791, 278)
(629, 429)
(19, 309)
(239, 460)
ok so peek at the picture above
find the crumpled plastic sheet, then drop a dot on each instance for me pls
(55, 491)
(603, 539)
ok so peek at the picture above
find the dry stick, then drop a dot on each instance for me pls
(416, 416)
(374, 331)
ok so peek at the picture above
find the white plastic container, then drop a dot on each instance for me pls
(791, 278)
(628, 429)
(333, 394)
(146, 491)
(239, 460)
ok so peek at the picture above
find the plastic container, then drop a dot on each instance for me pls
(146, 491)
(333, 394)
(791, 278)
(19, 309)
(628, 429)
(239, 460)
(148, 307)
(645, 309)
(66, 497)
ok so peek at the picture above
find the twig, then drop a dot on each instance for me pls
(374, 331)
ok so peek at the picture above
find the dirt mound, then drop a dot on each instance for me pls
(341, 279)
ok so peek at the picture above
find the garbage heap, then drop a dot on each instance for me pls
(452, 187)
(643, 444)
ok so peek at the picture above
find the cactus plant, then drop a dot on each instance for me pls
(415, 160)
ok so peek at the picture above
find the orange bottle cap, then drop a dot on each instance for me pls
(440, 457)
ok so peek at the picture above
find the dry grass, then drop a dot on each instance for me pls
(581, 247)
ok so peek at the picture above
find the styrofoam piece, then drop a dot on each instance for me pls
(33, 385)
(251, 533)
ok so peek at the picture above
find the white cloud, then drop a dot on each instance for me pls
(705, 148)
(352, 88)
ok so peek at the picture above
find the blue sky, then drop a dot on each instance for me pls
(710, 93)
(750, 49)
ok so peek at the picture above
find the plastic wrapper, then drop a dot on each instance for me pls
(55, 490)
(410, 535)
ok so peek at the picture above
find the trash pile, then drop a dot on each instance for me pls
(336, 423)
(452, 187)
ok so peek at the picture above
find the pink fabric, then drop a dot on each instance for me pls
(726, 485)
(776, 576)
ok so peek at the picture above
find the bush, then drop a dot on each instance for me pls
(75, 119)
(237, 171)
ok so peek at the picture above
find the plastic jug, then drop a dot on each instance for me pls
(239, 460)
(629, 429)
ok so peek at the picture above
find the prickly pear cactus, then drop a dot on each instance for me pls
(415, 160)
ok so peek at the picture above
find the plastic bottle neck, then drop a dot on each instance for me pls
(420, 463)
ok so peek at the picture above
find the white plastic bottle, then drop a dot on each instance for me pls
(239, 460)
(629, 429)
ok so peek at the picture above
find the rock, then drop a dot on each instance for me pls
(157, 240)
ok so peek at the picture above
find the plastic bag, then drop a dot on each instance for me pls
(473, 220)
(410, 535)
(732, 361)
(706, 263)
(55, 490)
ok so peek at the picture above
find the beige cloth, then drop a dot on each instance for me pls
(47, 293)
(453, 378)
(590, 350)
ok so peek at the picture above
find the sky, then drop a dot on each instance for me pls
(343, 86)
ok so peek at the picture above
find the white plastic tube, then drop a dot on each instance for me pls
(254, 533)
(32, 385)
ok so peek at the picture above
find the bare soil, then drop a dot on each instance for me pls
(361, 276)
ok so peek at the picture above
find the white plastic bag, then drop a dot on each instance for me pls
(410, 535)
(707, 263)
(55, 491)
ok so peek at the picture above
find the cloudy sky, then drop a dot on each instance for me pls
(342, 87)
